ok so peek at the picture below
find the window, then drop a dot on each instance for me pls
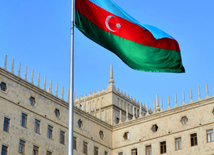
(21, 146)
(62, 137)
(24, 120)
(163, 147)
(210, 136)
(79, 123)
(96, 151)
(50, 131)
(126, 135)
(3, 86)
(178, 143)
(37, 126)
(155, 128)
(56, 111)
(49, 153)
(4, 150)
(213, 112)
(117, 120)
(134, 152)
(184, 120)
(74, 143)
(32, 101)
(193, 138)
(6, 124)
(121, 153)
(105, 153)
(35, 150)
(148, 150)
(85, 148)
(101, 134)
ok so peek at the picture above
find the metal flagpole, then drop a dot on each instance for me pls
(71, 94)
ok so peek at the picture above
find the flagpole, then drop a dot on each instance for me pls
(71, 94)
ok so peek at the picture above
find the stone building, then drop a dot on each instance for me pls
(34, 120)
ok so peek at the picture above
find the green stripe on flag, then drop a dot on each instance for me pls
(135, 55)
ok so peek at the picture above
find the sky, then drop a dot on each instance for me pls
(37, 34)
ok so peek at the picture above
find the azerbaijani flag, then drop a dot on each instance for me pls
(142, 47)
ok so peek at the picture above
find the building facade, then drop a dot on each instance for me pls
(34, 120)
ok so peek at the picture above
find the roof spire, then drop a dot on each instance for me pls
(111, 85)
(111, 80)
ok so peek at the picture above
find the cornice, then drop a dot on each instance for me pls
(34, 88)
(92, 118)
(166, 113)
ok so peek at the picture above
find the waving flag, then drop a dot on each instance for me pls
(142, 47)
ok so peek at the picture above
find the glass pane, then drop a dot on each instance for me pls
(176, 145)
(212, 139)
(180, 145)
(208, 137)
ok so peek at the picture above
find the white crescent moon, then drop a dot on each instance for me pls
(106, 22)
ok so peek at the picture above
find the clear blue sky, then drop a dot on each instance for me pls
(37, 34)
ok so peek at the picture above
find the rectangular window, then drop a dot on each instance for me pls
(117, 120)
(193, 138)
(37, 126)
(149, 150)
(74, 143)
(178, 143)
(105, 153)
(134, 152)
(95, 150)
(6, 124)
(4, 150)
(210, 136)
(62, 137)
(85, 148)
(121, 153)
(35, 150)
(163, 147)
(50, 132)
(21, 146)
(49, 153)
(24, 120)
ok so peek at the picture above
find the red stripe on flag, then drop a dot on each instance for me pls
(121, 27)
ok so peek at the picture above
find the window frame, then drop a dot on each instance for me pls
(149, 148)
(85, 147)
(163, 147)
(134, 151)
(35, 150)
(178, 141)
(24, 120)
(32, 101)
(48, 153)
(37, 126)
(57, 113)
(185, 120)
(154, 128)
(3, 86)
(62, 137)
(210, 134)
(6, 126)
(194, 138)
(96, 150)
(75, 143)
(4, 149)
(50, 132)
(117, 120)
(22, 146)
